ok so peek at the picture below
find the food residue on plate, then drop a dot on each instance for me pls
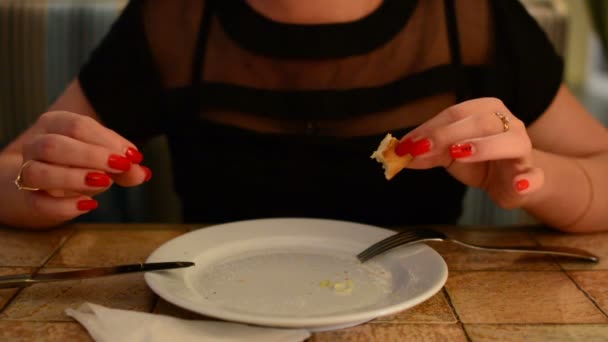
(325, 283)
(344, 287)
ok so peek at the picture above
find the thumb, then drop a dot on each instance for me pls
(528, 181)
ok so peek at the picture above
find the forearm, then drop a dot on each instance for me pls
(574, 197)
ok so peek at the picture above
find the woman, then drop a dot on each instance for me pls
(272, 108)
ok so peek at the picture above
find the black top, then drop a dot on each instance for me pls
(225, 173)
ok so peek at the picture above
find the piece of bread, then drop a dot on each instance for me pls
(391, 162)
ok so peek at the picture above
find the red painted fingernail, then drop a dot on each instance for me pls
(522, 184)
(404, 147)
(119, 162)
(148, 173)
(421, 146)
(97, 179)
(461, 150)
(86, 205)
(134, 155)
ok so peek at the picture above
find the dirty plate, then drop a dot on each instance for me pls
(295, 273)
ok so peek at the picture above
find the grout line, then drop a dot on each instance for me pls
(37, 269)
(459, 322)
(404, 323)
(411, 322)
(59, 246)
(507, 271)
(532, 324)
(554, 259)
(585, 292)
(565, 271)
(156, 300)
(9, 301)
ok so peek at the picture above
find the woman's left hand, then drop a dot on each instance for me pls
(482, 144)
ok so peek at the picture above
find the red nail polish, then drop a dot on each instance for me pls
(97, 179)
(461, 150)
(421, 146)
(148, 173)
(404, 147)
(134, 155)
(522, 184)
(86, 205)
(119, 162)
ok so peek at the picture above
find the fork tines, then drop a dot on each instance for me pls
(388, 243)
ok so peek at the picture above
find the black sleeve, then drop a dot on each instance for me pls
(121, 80)
(529, 70)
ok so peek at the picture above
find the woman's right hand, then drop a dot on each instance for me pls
(71, 158)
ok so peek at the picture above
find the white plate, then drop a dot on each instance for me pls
(295, 273)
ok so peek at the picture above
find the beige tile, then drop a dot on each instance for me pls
(106, 247)
(393, 332)
(7, 294)
(545, 332)
(520, 297)
(435, 310)
(593, 243)
(47, 302)
(41, 331)
(595, 284)
(29, 248)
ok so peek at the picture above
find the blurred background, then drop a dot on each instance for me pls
(43, 43)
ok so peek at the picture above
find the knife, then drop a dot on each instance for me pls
(24, 280)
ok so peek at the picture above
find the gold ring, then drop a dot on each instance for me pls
(504, 120)
(19, 179)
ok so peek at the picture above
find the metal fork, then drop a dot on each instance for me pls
(420, 235)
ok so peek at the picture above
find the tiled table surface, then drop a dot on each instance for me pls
(488, 296)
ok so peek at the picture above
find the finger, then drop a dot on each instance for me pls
(473, 127)
(463, 121)
(529, 182)
(458, 112)
(69, 180)
(509, 145)
(444, 139)
(59, 209)
(520, 184)
(86, 129)
(137, 175)
(64, 150)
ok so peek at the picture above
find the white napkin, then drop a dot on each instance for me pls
(105, 324)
